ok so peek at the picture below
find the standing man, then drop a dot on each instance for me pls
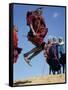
(60, 46)
(61, 53)
(16, 49)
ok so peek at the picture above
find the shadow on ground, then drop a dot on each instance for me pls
(19, 83)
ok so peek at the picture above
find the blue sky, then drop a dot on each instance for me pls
(55, 21)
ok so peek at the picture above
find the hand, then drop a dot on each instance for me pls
(34, 34)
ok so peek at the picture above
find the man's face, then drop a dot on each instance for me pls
(39, 12)
(15, 28)
(60, 40)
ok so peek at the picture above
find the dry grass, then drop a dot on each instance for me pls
(42, 80)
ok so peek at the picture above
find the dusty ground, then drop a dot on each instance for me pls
(42, 80)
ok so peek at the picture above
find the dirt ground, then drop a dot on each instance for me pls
(60, 78)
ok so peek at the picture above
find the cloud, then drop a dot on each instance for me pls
(55, 15)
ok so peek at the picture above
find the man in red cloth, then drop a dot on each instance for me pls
(16, 49)
(37, 33)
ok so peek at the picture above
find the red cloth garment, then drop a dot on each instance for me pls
(15, 45)
(16, 53)
(39, 28)
(16, 49)
(15, 39)
(15, 56)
